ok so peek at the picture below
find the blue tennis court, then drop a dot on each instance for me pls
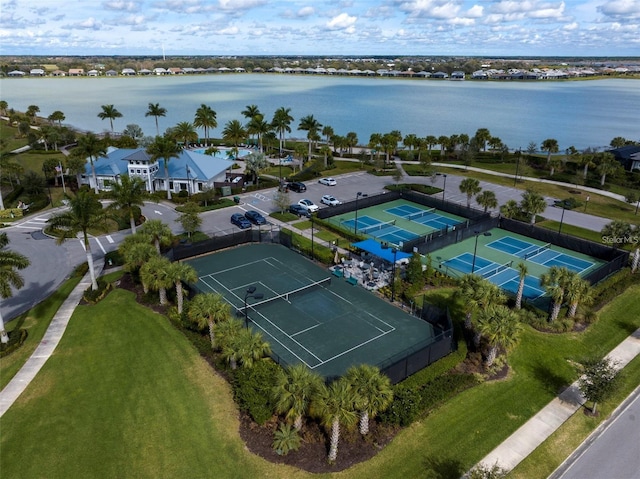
(383, 231)
(551, 258)
(543, 255)
(503, 275)
(427, 217)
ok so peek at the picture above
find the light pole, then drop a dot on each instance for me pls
(586, 202)
(561, 217)
(444, 186)
(518, 155)
(44, 172)
(188, 181)
(251, 293)
(358, 195)
(393, 275)
(475, 249)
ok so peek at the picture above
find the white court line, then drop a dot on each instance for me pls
(270, 322)
(375, 338)
(305, 330)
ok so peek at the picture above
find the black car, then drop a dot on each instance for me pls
(240, 221)
(299, 210)
(255, 217)
(297, 186)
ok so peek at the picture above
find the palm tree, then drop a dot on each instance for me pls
(389, 144)
(245, 348)
(482, 136)
(207, 309)
(311, 126)
(10, 263)
(607, 165)
(375, 143)
(165, 148)
(155, 110)
(328, 133)
(281, 123)
(586, 159)
(487, 199)
(555, 164)
(510, 209)
(185, 132)
(259, 127)
(293, 391)
(90, 146)
(110, 112)
(159, 233)
(235, 134)
(500, 326)
(554, 281)
(85, 212)
(532, 204)
(523, 270)
(136, 250)
(155, 274)
(470, 186)
(334, 406)
(578, 291)
(225, 333)
(476, 293)
(32, 112)
(179, 273)
(127, 194)
(206, 119)
(550, 146)
(372, 390)
(251, 111)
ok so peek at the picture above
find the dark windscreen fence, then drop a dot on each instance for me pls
(362, 202)
(446, 206)
(408, 362)
(615, 259)
(440, 239)
(223, 240)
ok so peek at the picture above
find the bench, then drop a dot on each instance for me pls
(352, 280)
(338, 273)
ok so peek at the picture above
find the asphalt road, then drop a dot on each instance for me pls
(51, 264)
(612, 451)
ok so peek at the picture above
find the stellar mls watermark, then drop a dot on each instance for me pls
(628, 239)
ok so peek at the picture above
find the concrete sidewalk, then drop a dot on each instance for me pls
(537, 429)
(47, 346)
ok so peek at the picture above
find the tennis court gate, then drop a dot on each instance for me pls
(615, 259)
(405, 363)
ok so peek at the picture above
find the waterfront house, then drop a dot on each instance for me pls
(36, 72)
(628, 156)
(76, 72)
(128, 72)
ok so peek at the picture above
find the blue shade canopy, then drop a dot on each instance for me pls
(376, 249)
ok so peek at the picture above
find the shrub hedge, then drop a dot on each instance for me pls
(252, 389)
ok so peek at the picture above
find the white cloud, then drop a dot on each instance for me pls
(341, 22)
(621, 10)
(240, 4)
(122, 6)
(305, 12)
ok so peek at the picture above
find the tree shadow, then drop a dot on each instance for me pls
(442, 468)
(549, 379)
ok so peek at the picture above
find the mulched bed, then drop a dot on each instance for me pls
(353, 448)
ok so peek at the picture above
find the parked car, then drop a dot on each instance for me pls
(240, 221)
(330, 200)
(309, 205)
(297, 186)
(255, 217)
(327, 181)
(299, 210)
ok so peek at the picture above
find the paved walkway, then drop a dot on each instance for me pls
(537, 429)
(47, 346)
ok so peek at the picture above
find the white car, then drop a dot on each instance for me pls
(308, 205)
(330, 200)
(327, 181)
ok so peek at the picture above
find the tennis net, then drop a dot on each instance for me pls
(377, 227)
(287, 296)
(537, 251)
(420, 214)
(495, 270)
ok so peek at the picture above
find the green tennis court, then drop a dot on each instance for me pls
(307, 315)
(495, 255)
(397, 221)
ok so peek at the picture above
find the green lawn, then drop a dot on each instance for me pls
(36, 322)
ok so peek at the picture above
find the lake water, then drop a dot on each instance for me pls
(579, 113)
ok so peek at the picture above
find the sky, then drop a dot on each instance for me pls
(321, 27)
